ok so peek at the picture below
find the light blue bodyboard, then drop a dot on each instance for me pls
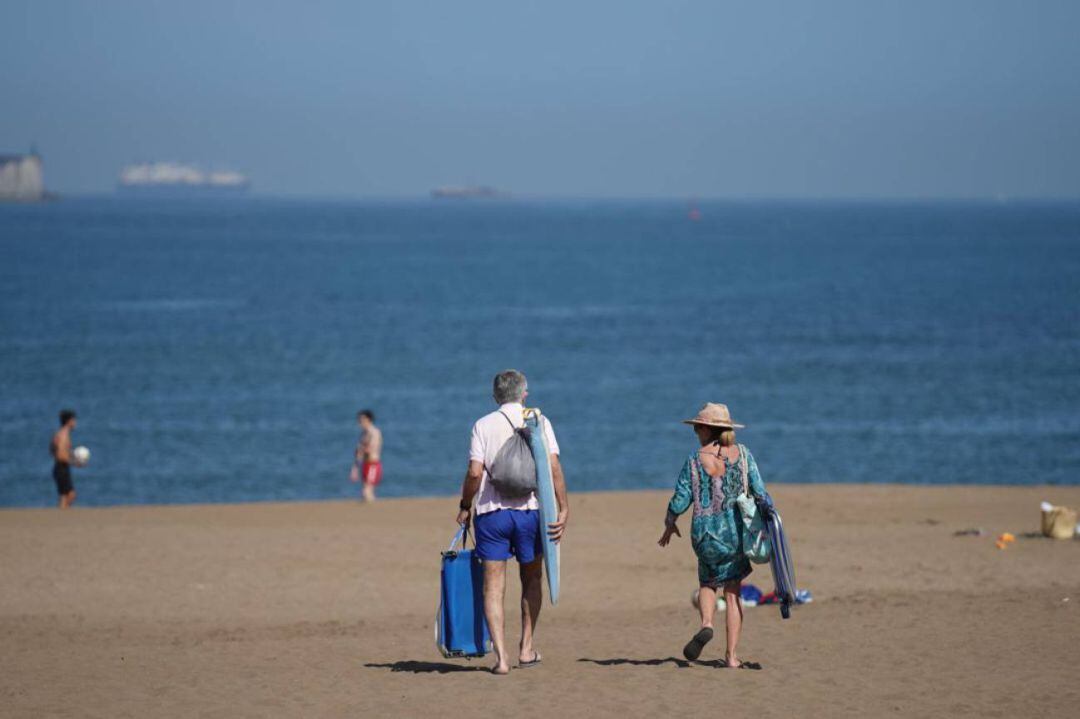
(545, 494)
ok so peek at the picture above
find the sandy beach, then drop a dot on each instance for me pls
(326, 609)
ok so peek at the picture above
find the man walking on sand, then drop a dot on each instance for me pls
(368, 458)
(509, 527)
(60, 449)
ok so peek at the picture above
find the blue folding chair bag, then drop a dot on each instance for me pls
(460, 627)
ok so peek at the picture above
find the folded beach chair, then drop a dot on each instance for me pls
(460, 627)
(783, 569)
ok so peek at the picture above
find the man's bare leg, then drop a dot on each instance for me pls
(369, 492)
(66, 500)
(532, 596)
(494, 593)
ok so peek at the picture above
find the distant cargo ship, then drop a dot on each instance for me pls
(468, 191)
(169, 179)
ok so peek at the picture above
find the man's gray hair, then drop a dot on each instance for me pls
(510, 386)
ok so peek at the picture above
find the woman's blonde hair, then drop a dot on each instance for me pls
(725, 436)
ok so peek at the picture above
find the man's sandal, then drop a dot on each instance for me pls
(532, 663)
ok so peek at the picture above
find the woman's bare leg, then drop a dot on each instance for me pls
(733, 597)
(707, 605)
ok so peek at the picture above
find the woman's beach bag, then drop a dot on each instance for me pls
(756, 544)
(513, 471)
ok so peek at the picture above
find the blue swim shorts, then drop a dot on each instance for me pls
(507, 533)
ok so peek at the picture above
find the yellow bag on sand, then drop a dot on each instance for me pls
(1059, 522)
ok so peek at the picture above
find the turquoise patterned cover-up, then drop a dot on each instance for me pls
(715, 533)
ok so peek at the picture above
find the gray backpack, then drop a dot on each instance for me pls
(513, 471)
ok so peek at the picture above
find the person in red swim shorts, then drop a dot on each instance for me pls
(367, 466)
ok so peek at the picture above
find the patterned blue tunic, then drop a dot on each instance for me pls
(715, 533)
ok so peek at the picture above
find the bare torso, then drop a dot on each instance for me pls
(371, 444)
(60, 446)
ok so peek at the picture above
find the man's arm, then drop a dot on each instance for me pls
(556, 528)
(469, 487)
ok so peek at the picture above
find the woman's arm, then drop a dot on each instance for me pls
(683, 497)
(680, 502)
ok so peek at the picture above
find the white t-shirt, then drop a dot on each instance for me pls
(489, 434)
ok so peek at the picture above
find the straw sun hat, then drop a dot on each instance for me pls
(714, 415)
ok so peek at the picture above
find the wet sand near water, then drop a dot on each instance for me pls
(326, 609)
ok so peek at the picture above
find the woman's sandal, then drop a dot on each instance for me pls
(745, 665)
(693, 648)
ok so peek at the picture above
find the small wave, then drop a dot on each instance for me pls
(969, 426)
(170, 305)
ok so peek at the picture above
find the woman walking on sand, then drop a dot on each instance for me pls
(711, 480)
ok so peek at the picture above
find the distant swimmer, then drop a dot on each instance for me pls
(367, 465)
(60, 449)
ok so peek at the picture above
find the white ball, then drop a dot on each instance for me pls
(721, 605)
(81, 455)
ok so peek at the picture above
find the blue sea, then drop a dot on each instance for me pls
(217, 351)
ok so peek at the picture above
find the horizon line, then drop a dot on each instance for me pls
(1003, 199)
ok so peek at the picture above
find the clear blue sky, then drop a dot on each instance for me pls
(670, 99)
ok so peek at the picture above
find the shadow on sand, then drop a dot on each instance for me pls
(680, 663)
(416, 667)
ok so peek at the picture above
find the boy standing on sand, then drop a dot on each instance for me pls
(60, 449)
(368, 455)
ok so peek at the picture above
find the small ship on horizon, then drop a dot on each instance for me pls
(174, 180)
(456, 192)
